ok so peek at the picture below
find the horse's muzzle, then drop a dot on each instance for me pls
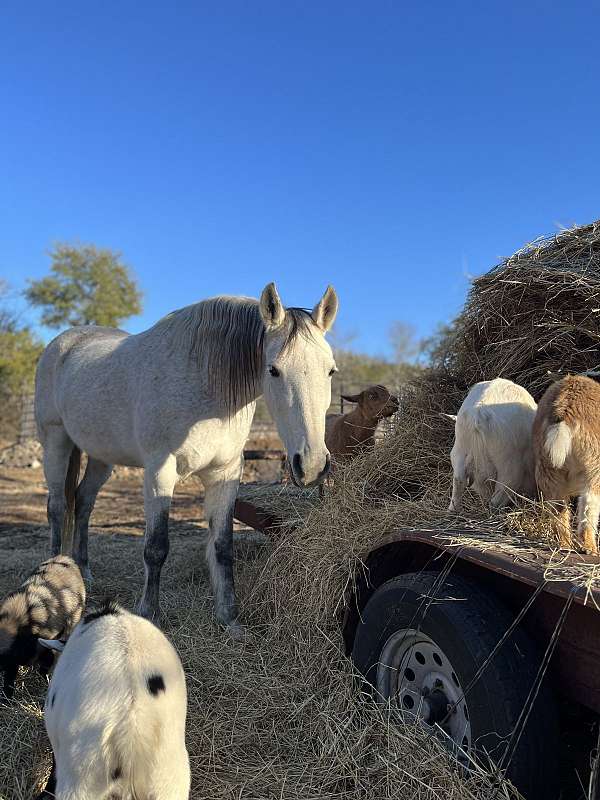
(299, 474)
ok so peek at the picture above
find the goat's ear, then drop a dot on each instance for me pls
(325, 312)
(271, 308)
(52, 644)
(351, 398)
(451, 417)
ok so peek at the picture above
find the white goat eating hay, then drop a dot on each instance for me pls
(115, 712)
(492, 449)
(566, 437)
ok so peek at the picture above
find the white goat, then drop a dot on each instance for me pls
(115, 712)
(493, 449)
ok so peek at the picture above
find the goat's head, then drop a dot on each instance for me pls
(376, 402)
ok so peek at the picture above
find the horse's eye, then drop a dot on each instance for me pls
(274, 371)
(332, 371)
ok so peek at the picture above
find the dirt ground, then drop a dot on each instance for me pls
(119, 508)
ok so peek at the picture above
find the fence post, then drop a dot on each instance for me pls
(27, 428)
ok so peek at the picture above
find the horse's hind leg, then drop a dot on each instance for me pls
(57, 451)
(96, 475)
(159, 483)
(220, 491)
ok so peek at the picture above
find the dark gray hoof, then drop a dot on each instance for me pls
(238, 632)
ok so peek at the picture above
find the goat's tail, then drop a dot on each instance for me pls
(557, 443)
(71, 483)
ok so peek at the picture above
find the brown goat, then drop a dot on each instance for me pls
(348, 434)
(566, 441)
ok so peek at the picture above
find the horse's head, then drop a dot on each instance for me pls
(298, 365)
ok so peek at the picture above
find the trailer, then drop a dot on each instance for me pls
(498, 658)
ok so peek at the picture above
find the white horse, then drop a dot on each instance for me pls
(179, 399)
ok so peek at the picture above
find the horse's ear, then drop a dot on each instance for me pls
(351, 398)
(325, 311)
(271, 307)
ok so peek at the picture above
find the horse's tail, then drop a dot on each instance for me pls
(71, 483)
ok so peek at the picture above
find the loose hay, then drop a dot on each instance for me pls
(277, 716)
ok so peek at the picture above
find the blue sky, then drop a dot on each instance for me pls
(388, 148)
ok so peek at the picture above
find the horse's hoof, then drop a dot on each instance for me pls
(238, 632)
(151, 614)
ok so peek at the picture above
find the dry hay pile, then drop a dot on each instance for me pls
(531, 319)
(277, 716)
(534, 317)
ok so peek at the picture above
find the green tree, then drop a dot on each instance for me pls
(88, 285)
(405, 346)
(19, 353)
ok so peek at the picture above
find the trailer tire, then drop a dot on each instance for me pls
(453, 637)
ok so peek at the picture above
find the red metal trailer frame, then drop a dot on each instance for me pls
(576, 662)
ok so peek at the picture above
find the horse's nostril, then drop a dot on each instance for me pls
(297, 465)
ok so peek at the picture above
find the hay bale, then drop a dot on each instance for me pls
(534, 317)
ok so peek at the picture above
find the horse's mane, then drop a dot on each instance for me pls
(225, 336)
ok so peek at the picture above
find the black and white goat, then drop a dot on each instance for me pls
(115, 712)
(48, 605)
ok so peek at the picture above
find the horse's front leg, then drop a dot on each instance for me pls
(220, 491)
(159, 483)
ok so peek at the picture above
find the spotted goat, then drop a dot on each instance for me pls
(115, 712)
(47, 605)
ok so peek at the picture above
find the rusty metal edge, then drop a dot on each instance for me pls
(255, 517)
(493, 560)
(262, 520)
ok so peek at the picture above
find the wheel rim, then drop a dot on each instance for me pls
(415, 674)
